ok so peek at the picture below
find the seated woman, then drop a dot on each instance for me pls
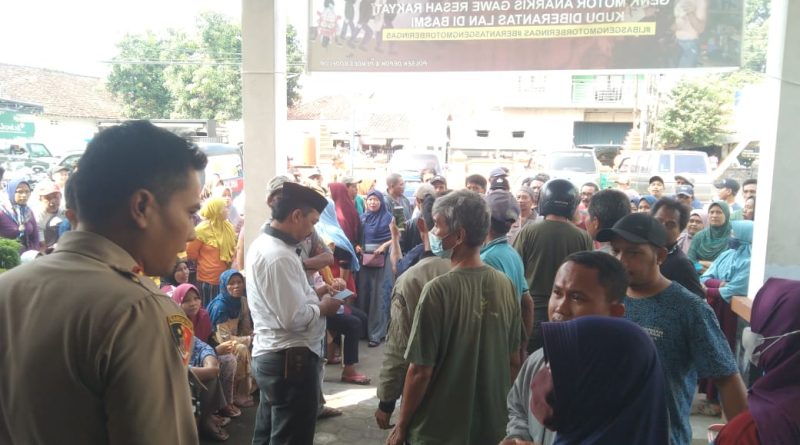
(203, 363)
(713, 240)
(604, 384)
(729, 275)
(774, 399)
(188, 298)
(180, 275)
(226, 315)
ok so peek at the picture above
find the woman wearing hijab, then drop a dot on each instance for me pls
(348, 222)
(225, 311)
(603, 384)
(698, 220)
(713, 240)
(729, 275)
(188, 298)
(204, 362)
(375, 241)
(774, 399)
(346, 213)
(646, 203)
(16, 218)
(344, 253)
(213, 248)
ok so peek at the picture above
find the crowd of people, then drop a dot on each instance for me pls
(538, 312)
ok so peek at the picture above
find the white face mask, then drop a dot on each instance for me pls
(751, 341)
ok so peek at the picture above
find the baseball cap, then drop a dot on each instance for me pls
(502, 205)
(46, 187)
(424, 189)
(637, 228)
(438, 178)
(499, 183)
(684, 179)
(727, 183)
(655, 178)
(687, 190)
(499, 171)
(276, 184)
(314, 173)
(347, 180)
(59, 168)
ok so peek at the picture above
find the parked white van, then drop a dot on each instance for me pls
(639, 166)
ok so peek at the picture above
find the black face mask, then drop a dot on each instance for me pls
(734, 243)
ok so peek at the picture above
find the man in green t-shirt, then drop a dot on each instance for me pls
(466, 330)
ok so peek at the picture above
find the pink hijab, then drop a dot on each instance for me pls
(201, 320)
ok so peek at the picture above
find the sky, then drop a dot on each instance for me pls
(77, 36)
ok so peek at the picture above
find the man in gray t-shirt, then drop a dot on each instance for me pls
(587, 283)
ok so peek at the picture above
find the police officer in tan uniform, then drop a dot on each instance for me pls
(92, 352)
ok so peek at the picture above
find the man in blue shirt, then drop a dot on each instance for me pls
(683, 327)
(498, 254)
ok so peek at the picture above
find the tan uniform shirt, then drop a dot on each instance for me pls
(91, 353)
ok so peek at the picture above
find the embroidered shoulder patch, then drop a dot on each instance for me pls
(182, 334)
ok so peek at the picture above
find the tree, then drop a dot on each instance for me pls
(191, 75)
(754, 44)
(137, 77)
(211, 86)
(696, 113)
(294, 66)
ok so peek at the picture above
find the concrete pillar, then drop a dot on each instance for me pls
(776, 242)
(263, 103)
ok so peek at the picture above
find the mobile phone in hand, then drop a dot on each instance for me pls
(399, 218)
(342, 295)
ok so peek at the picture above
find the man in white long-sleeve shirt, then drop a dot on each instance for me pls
(289, 321)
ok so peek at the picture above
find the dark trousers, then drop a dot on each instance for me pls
(287, 411)
(352, 327)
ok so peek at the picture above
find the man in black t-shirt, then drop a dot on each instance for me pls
(676, 267)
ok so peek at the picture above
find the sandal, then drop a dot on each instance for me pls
(230, 411)
(220, 420)
(327, 412)
(335, 360)
(373, 343)
(356, 379)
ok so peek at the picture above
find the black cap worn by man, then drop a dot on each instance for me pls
(304, 195)
(503, 206)
(728, 183)
(637, 228)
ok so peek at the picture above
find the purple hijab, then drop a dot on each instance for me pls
(608, 383)
(774, 399)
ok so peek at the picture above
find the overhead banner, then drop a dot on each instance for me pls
(521, 35)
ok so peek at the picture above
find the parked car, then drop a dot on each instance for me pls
(576, 165)
(640, 166)
(32, 155)
(406, 161)
(605, 153)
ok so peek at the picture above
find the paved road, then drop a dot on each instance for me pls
(355, 426)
